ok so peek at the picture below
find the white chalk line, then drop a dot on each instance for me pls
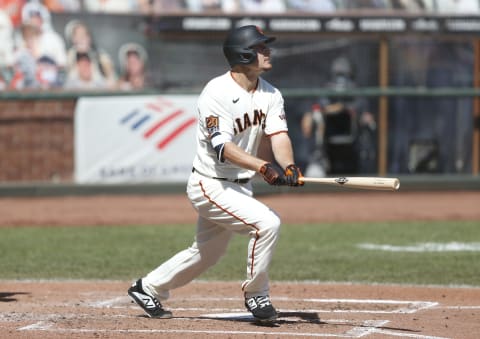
(119, 302)
(210, 332)
(407, 335)
(358, 331)
(367, 328)
(411, 306)
(39, 326)
(311, 310)
(424, 247)
(457, 307)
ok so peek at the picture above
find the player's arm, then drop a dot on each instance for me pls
(276, 128)
(283, 152)
(237, 156)
(282, 149)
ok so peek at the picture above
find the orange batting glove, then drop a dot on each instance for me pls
(292, 174)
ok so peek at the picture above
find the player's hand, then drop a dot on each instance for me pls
(272, 175)
(292, 174)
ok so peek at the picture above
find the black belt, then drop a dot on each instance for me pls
(237, 181)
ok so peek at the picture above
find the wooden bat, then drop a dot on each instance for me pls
(369, 183)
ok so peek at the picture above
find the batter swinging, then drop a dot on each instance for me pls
(234, 111)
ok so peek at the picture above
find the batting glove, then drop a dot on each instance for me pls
(292, 174)
(272, 175)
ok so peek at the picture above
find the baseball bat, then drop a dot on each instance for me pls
(372, 183)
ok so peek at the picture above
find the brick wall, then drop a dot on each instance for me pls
(36, 140)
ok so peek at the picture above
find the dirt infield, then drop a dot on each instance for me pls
(201, 309)
(86, 309)
(293, 208)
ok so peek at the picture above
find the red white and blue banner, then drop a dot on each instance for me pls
(135, 139)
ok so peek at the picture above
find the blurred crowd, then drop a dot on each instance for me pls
(262, 6)
(250, 6)
(33, 55)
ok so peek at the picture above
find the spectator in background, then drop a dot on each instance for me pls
(203, 5)
(341, 130)
(231, 6)
(467, 7)
(6, 45)
(226, 6)
(111, 6)
(79, 37)
(63, 5)
(47, 74)
(33, 70)
(83, 76)
(26, 55)
(133, 59)
(3, 83)
(264, 6)
(412, 6)
(13, 8)
(50, 42)
(452, 6)
(166, 6)
(364, 4)
(312, 6)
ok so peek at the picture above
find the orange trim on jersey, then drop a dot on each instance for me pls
(257, 236)
(269, 135)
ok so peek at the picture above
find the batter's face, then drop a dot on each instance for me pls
(263, 57)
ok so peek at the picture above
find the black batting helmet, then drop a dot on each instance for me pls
(239, 42)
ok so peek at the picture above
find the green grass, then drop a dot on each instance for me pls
(324, 252)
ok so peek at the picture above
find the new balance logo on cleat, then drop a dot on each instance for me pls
(148, 303)
(262, 309)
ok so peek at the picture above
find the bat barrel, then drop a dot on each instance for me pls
(372, 183)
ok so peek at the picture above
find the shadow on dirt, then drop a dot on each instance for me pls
(289, 318)
(6, 297)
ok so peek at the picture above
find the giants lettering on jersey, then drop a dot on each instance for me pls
(240, 125)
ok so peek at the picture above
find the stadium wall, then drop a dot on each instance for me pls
(36, 140)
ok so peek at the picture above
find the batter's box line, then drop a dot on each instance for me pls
(410, 306)
(459, 307)
(368, 327)
(363, 329)
(358, 331)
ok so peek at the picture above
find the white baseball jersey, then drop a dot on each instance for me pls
(227, 112)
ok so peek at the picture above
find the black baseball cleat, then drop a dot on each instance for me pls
(262, 309)
(150, 304)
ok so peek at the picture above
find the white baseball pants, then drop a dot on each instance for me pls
(224, 208)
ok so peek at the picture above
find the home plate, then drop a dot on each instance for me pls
(229, 316)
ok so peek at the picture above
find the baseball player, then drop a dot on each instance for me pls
(235, 110)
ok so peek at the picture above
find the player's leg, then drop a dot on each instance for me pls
(235, 209)
(210, 244)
